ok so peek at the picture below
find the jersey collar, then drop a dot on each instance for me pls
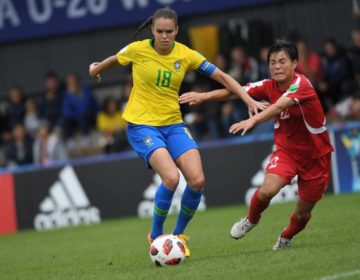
(152, 44)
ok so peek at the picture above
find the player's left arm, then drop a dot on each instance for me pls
(201, 65)
(273, 110)
(231, 85)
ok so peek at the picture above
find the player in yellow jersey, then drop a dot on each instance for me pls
(155, 129)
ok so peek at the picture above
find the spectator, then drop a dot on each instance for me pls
(126, 91)
(79, 107)
(202, 119)
(309, 63)
(15, 110)
(244, 68)
(112, 126)
(31, 119)
(48, 146)
(337, 82)
(347, 109)
(263, 65)
(355, 55)
(5, 134)
(51, 103)
(19, 149)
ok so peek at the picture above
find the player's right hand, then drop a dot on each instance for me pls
(192, 98)
(256, 106)
(93, 71)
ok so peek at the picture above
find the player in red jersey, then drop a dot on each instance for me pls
(302, 143)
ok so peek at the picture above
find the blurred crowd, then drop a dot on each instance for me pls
(67, 119)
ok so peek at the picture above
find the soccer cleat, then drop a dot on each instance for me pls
(184, 238)
(282, 243)
(149, 238)
(240, 228)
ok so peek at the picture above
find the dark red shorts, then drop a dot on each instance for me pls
(313, 174)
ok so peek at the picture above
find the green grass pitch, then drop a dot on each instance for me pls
(117, 249)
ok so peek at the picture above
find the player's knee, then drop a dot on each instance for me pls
(171, 180)
(266, 194)
(197, 182)
(303, 215)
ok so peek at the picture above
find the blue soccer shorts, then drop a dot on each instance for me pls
(145, 139)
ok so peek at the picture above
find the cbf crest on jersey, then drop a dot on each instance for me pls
(177, 65)
(148, 141)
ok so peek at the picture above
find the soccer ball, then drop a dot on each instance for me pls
(166, 250)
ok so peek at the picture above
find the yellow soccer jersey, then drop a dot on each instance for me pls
(154, 98)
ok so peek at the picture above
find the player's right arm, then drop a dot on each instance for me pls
(98, 67)
(123, 57)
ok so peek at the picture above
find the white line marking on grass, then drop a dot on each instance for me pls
(341, 275)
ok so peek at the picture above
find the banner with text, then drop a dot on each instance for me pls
(38, 18)
(346, 159)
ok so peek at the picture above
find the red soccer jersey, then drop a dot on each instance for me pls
(300, 129)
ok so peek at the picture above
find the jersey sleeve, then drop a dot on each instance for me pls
(127, 54)
(258, 90)
(301, 90)
(195, 59)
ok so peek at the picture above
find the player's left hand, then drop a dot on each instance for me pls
(243, 126)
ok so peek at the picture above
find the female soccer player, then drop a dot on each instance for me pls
(155, 128)
(301, 139)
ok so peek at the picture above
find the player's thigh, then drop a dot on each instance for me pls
(279, 172)
(162, 162)
(145, 140)
(313, 178)
(190, 165)
(179, 140)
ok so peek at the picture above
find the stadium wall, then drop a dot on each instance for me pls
(88, 190)
(25, 62)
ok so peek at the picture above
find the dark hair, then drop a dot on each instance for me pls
(107, 101)
(51, 74)
(331, 41)
(165, 12)
(287, 47)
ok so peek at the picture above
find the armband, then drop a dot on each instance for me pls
(206, 68)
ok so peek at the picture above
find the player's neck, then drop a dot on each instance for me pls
(284, 85)
(159, 50)
(163, 51)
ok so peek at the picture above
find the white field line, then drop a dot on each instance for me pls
(341, 275)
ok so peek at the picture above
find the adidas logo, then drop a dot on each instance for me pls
(66, 205)
(146, 207)
(287, 193)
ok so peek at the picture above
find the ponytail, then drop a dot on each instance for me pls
(145, 24)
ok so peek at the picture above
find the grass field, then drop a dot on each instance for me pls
(328, 249)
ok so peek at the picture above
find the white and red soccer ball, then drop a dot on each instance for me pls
(166, 250)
